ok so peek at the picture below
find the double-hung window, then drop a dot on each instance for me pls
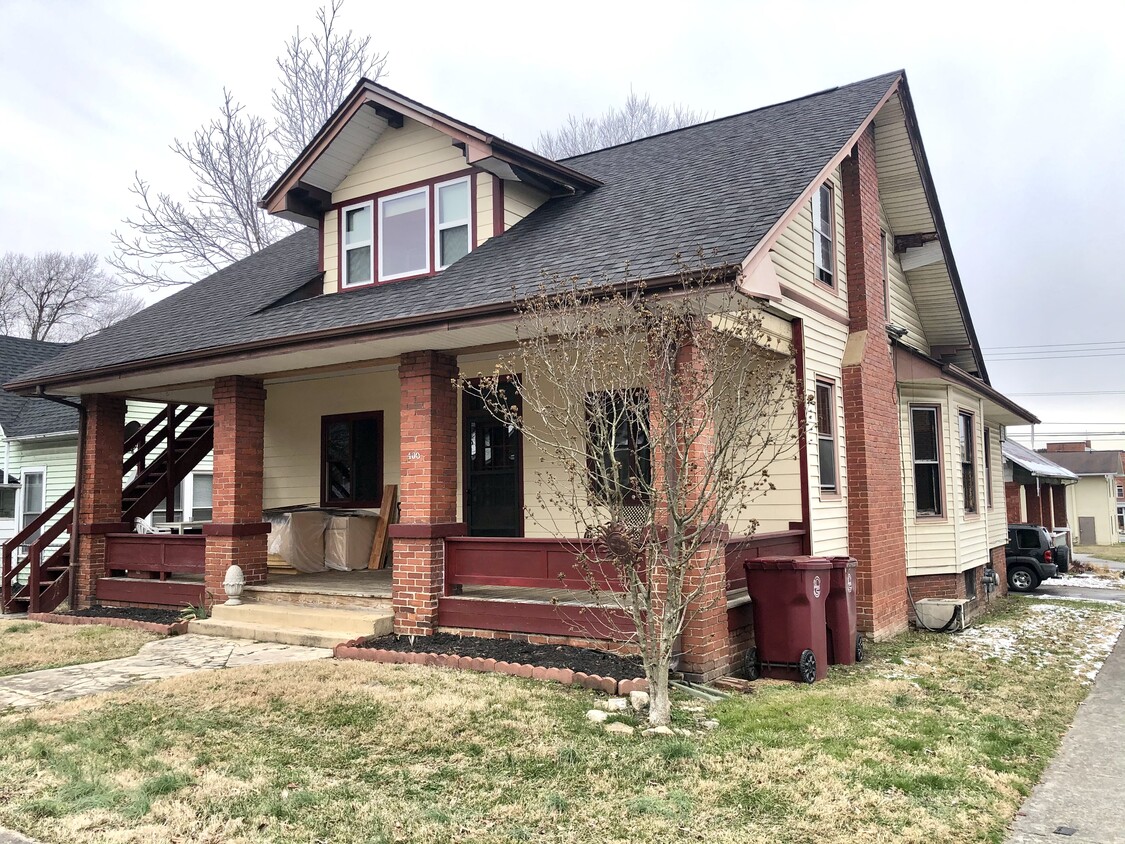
(619, 457)
(451, 223)
(404, 234)
(823, 240)
(924, 434)
(988, 466)
(359, 245)
(826, 437)
(968, 461)
(352, 459)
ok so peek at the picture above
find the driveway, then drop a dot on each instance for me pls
(1055, 590)
(1112, 565)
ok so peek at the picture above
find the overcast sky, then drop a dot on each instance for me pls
(1020, 105)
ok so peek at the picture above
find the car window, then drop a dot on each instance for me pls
(1028, 540)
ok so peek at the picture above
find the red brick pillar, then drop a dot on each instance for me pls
(237, 534)
(1058, 493)
(876, 536)
(99, 494)
(1012, 502)
(427, 489)
(1034, 505)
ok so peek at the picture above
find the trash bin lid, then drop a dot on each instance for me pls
(790, 563)
(843, 562)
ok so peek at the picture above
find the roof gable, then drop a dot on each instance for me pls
(21, 416)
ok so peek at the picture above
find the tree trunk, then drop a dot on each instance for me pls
(659, 702)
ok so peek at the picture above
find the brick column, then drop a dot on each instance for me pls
(1034, 504)
(1012, 502)
(99, 495)
(427, 488)
(237, 534)
(876, 536)
(1058, 493)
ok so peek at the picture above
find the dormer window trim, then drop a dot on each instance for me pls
(429, 189)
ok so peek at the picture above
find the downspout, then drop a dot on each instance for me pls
(72, 598)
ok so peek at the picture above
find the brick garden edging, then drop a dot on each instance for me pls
(174, 629)
(595, 682)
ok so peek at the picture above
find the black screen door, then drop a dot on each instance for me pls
(493, 473)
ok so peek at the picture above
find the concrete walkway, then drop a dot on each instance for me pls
(1112, 565)
(157, 660)
(1082, 794)
(1049, 587)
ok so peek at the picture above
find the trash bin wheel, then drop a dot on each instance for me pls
(753, 670)
(806, 666)
(859, 648)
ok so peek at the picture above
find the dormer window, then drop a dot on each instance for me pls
(408, 233)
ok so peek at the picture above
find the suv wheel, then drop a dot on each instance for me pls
(1021, 579)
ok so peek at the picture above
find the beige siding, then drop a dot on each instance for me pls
(998, 512)
(484, 206)
(403, 156)
(331, 252)
(292, 440)
(1095, 497)
(903, 310)
(958, 540)
(519, 201)
(793, 255)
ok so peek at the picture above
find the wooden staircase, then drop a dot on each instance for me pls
(159, 455)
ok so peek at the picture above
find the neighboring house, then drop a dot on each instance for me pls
(328, 357)
(1035, 488)
(39, 447)
(1096, 500)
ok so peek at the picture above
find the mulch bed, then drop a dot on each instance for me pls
(559, 663)
(164, 622)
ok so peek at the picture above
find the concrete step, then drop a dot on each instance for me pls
(291, 596)
(294, 625)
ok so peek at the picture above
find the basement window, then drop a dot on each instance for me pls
(352, 459)
(824, 244)
(967, 439)
(924, 436)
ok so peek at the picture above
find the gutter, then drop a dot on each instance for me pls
(79, 459)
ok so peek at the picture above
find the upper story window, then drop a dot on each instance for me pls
(1120, 491)
(826, 436)
(406, 234)
(824, 243)
(968, 461)
(924, 436)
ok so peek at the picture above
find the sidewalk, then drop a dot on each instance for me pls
(157, 660)
(1083, 789)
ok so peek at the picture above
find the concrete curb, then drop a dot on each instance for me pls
(565, 676)
(174, 629)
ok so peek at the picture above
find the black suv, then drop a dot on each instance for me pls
(1030, 556)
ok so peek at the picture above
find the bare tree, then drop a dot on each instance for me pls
(661, 416)
(60, 296)
(314, 74)
(234, 159)
(638, 118)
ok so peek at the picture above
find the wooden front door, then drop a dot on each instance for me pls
(493, 472)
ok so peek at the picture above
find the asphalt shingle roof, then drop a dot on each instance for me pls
(1088, 462)
(1037, 463)
(718, 186)
(20, 416)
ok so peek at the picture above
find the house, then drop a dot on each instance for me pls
(326, 361)
(39, 450)
(1098, 499)
(1035, 488)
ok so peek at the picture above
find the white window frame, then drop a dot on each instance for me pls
(439, 226)
(425, 190)
(24, 472)
(830, 417)
(970, 508)
(346, 247)
(830, 234)
(939, 493)
(188, 494)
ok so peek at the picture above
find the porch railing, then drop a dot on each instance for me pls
(153, 568)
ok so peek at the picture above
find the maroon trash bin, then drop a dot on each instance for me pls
(845, 647)
(790, 633)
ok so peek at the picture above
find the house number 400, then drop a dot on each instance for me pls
(413, 455)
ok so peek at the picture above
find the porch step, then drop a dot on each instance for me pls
(280, 593)
(293, 625)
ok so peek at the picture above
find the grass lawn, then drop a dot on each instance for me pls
(29, 646)
(935, 738)
(1116, 553)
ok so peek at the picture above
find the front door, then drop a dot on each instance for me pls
(493, 495)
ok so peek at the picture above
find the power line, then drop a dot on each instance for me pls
(1074, 393)
(996, 358)
(1055, 345)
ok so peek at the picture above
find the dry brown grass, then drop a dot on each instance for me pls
(1116, 553)
(30, 646)
(935, 738)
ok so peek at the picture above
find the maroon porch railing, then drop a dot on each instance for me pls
(153, 568)
(742, 548)
(530, 563)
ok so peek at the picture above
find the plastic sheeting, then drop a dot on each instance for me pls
(298, 538)
(348, 540)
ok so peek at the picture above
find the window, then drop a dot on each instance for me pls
(823, 240)
(886, 276)
(1120, 491)
(160, 514)
(352, 460)
(404, 234)
(452, 221)
(358, 245)
(924, 433)
(971, 583)
(7, 503)
(201, 497)
(968, 461)
(826, 436)
(33, 496)
(619, 458)
(988, 466)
